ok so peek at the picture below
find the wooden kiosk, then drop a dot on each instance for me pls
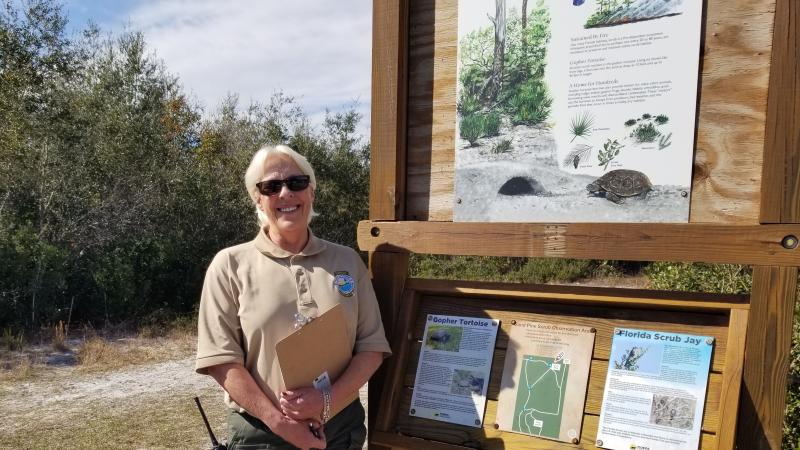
(745, 209)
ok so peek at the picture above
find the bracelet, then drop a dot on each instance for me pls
(326, 406)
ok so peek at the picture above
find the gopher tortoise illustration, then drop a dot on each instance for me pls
(619, 184)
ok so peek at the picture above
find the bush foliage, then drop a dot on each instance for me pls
(116, 190)
(522, 95)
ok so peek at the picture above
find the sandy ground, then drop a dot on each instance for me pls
(62, 392)
(560, 196)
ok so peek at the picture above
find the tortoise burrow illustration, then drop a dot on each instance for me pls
(522, 186)
(619, 184)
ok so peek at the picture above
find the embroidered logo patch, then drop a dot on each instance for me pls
(344, 283)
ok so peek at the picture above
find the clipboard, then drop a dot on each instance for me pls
(320, 348)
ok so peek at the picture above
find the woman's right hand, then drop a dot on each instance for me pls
(298, 433)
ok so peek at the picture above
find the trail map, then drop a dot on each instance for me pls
(544, 381)
(540, 396)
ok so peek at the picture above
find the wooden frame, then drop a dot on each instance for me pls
(745, 201)
(501, 301)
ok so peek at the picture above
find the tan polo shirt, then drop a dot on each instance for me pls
(252, 292)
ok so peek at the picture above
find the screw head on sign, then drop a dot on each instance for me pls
(789, 242)
(375, 231)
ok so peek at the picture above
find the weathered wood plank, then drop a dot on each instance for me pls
(732, 111)
(401, 347)
(766, 363)
(581, 294)
(389, 272)
(431, 108)
(388, 118)
(489, 438)
(780, 188)
(732, 380)
(755, 244)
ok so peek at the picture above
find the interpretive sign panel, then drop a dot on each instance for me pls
(453, 370)
(655, 390)
(544, 380)
(575, 111)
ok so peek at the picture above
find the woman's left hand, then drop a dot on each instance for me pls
(302, 403)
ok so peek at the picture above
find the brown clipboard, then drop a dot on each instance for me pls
(320, 346)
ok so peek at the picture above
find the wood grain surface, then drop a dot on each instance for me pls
(754, 244)
(388, 119)
(766, 363)
(780, 193)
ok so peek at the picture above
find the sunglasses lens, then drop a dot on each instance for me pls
(297, 183)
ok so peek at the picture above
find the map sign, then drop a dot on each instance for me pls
(544, 380)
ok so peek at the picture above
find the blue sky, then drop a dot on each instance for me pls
(318, 51)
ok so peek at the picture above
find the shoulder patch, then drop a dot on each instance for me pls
(344, 283)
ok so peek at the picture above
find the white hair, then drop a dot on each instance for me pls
(258, 168)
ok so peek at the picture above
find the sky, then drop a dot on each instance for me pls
(318, 51)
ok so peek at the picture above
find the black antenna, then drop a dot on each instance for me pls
(215, 445)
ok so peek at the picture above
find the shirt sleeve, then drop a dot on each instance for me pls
(219, 336)
(370, 336)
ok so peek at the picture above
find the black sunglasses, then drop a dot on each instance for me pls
(294, 183)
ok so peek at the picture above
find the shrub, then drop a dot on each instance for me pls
(661, 119)
(11, 340)
(471, 128)
(468, 104)
(491, 124)
(502, 146)
(698, 277)
(645, 132)
(531, 104)
(630, 122)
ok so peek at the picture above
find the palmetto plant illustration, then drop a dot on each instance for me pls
(581, 125)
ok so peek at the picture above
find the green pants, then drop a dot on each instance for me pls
(345, 431)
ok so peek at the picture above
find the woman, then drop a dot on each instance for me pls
(252, 297)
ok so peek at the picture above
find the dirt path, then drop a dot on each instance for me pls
(63, 391)
(63, 394)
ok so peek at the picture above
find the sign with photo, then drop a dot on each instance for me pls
(455, 362)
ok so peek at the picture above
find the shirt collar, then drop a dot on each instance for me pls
(265, 245)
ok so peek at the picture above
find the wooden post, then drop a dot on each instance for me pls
(766, 362)
(780, 185)
(389, 272)
(388, 123)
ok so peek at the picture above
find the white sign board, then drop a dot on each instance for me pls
(576, 110)
(453, 369)
(655, 391)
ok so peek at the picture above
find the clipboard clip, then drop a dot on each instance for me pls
(300, 320)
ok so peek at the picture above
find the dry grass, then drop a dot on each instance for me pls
(17, 367)
(97, 351)
(99, 354)
(171, 423)
(59, 341)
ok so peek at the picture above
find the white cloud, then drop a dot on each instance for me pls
(318, 51)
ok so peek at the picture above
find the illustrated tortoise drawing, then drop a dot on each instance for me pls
(619, 184)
